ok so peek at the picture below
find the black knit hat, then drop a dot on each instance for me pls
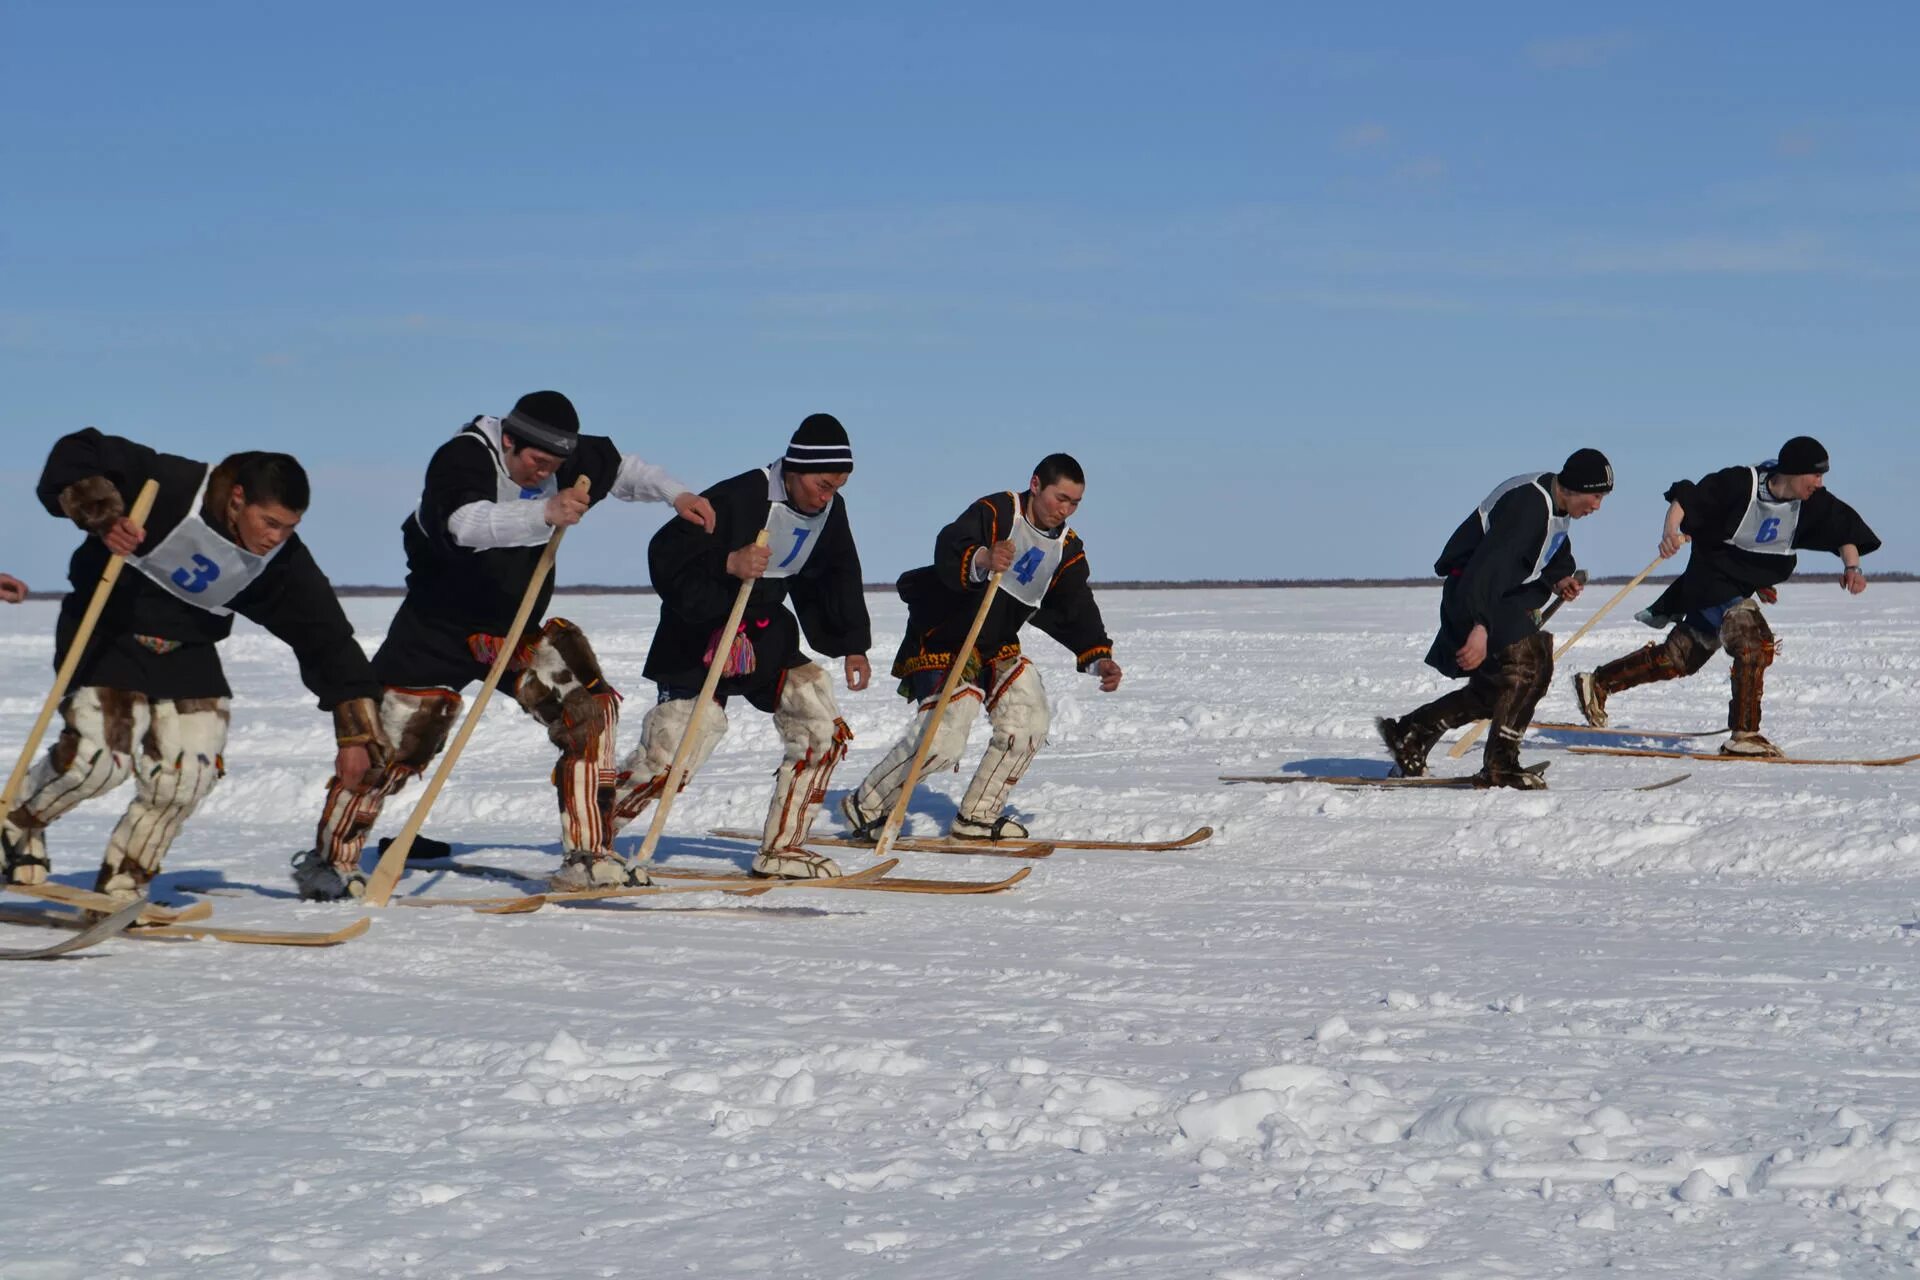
(819, 445)
(1802, 456)
(545, 420)
(1586, 471)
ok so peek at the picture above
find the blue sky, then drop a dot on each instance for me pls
(1297, 284)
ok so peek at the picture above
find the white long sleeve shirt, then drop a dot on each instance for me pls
(521, 522)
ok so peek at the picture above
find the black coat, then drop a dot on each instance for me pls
(456, 592)
(1486, 573)
(477, 591)
(150, 641)
(942, 600)
(689, 570)
(1717, 573)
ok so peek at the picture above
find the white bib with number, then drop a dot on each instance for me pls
(1036, 558)
(1770, 523)
(199, 565)
(508, 490)
(791, 536)
(1557, 525)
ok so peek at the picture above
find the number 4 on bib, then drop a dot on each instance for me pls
(1027, 565)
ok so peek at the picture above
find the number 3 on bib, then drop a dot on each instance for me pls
(199, 578)
(1027, 565)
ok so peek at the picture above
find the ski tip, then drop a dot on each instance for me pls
(532, 902)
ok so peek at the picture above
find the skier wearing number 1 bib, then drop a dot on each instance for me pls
(809, 560)
(1745, 524)
(1044, 579)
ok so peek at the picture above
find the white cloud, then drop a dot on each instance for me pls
(1705, 255)
(1364, 136)
(1796, 144)
(1577, 51)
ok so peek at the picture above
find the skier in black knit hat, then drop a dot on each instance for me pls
(1504, 561)
(811, 561)
(1745, 523)
(494, 495)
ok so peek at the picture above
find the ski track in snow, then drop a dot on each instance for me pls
(1441, 1034)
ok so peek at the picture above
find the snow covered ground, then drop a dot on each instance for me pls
(1440, 1034)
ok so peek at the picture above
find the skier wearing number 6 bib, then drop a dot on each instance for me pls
(1507, 557)
(1745, 524)
(810, 560)
(1044, 579)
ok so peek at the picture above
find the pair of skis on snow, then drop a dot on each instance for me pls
(94, 918)
(878, 878)
(1466, 782)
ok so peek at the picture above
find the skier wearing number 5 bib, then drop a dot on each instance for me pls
(1745, 524)
(1506, 558)
(1043, 579)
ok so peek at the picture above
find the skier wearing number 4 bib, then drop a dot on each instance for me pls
(1506, 558)
(1044, 579)
(810, 560)
(1745, 524)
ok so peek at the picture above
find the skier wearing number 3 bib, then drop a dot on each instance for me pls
(149, 701)
(1745, 524)
(1043, 579)
(809, 559)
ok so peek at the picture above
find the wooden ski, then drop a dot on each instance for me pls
(1463, 780)
(99, 931)
(255, 937)
(1882, 762)
(991, 848)
(889, 884)
(518, 904)
(998, 849)
(69, 896)
(1618, 731)
(1460, 782)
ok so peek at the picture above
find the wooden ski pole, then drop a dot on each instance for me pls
(1472, 736)
(386, 873)
(681, 753)
(142, 507)
(898, 817)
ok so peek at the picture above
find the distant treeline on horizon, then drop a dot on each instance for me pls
(1196, 584)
